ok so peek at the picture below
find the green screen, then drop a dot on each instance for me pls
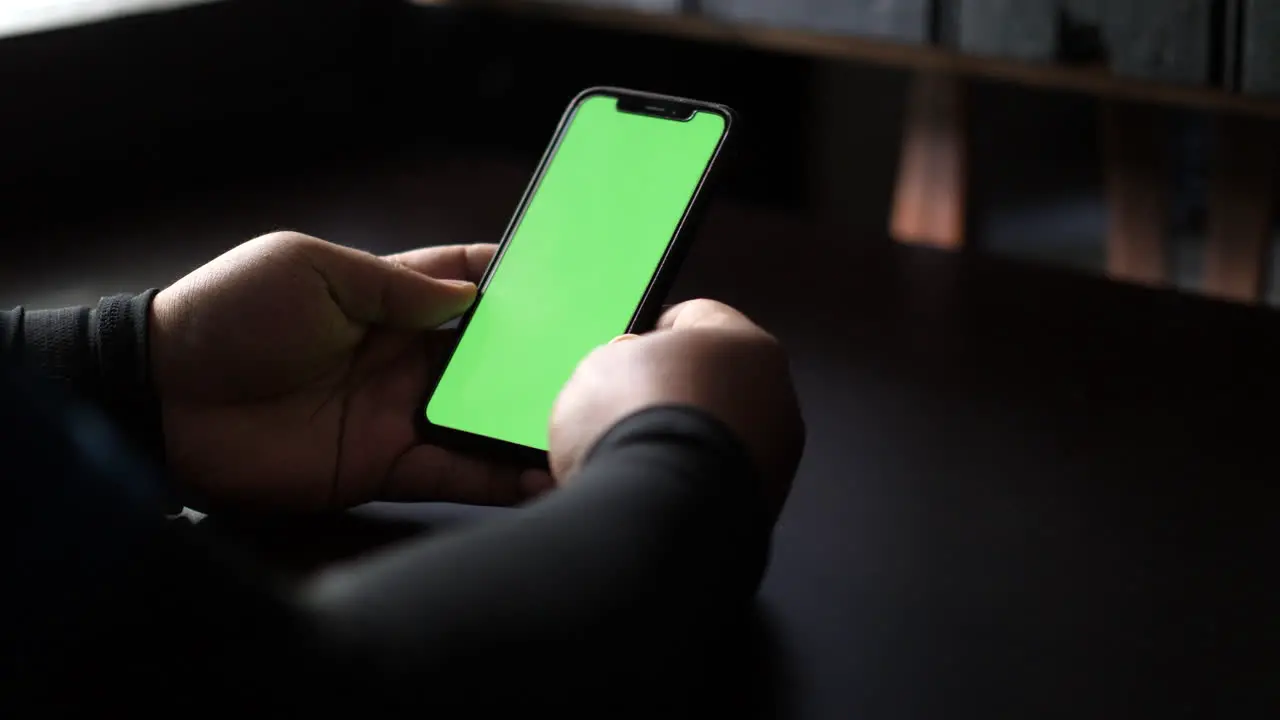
(576, 267)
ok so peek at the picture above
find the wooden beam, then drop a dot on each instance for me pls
(1241, 209)
(1091, 80)
(929, 199)
(1136, 169)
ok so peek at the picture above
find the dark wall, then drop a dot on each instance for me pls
(127, 115)
(138, 106)
(140, 110)
(505, 82)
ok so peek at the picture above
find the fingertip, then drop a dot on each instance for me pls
(448, 261)
(460, 294)
(460, 284)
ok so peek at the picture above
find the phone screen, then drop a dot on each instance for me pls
(576, 266)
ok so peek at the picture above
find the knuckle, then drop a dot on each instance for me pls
(705, 312)
(286, 240)
(710, 308)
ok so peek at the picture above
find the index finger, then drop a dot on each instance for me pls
(448, 262)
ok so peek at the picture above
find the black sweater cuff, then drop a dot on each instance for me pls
(99, 355)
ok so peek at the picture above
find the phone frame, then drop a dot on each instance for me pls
(647, 311)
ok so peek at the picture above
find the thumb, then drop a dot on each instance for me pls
(377, 291)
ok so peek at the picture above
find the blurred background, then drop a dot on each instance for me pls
(1131, 139)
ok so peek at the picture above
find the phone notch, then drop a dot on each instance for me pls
(653, 107)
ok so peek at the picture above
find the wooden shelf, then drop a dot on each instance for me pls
(1092, 81)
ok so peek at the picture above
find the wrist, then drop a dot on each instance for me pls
(127, 340)
(159, 332)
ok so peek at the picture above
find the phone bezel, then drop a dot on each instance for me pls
(646, 313)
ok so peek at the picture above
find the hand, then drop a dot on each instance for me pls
(289, 370)
(703, 354)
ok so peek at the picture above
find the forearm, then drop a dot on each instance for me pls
(660, 537)
(98, 355)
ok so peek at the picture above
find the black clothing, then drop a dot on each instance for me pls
(614, 580)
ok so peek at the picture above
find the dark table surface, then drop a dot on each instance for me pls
(1026, 493)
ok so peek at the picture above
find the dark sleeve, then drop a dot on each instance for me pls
(660, 539)
(608, 583)
(106, 602)
(97, 355)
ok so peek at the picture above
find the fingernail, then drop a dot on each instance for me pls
(458, 283)
(620, 338)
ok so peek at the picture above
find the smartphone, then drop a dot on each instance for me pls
(588, 255)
